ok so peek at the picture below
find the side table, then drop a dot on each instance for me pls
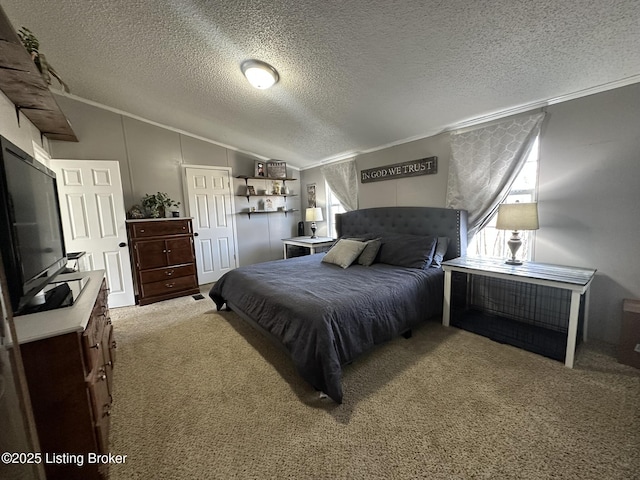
(307, 242)
(576, 280)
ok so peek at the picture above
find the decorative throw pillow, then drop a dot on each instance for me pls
(371, 249)
(344, 252)
(441, 250)
(404, 250)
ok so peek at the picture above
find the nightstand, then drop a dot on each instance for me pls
(313, 244)
(537, 298)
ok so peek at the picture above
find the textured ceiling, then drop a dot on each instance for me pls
(354, 75)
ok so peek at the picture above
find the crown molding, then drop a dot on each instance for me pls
(527, 107)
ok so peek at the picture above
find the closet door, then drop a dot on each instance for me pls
(93, 220)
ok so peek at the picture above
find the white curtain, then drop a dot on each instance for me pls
(485, 162)
(342, 178)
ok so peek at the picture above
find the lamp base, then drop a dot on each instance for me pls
(513, 262)
(514, 244)
(313, 230)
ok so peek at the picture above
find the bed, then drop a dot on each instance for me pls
(325, 315)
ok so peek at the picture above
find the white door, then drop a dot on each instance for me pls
(208, 194)
(93, 221)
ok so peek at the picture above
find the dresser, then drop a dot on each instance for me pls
(68, 356)
(163, 258)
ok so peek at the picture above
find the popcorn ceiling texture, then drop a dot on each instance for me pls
(354, 75)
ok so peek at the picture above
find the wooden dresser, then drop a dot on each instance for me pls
(68, 356)
(162, 258)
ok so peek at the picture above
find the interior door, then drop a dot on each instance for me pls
(93, 220)
(208, 194)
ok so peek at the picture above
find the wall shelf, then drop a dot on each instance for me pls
(285, 195)
(22, 83)
(249, 213)
(246, 177)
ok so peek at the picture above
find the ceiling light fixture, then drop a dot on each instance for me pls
(260, 74)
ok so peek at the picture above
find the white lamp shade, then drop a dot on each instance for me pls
(313, 215)
(260, 75)
(517, 216)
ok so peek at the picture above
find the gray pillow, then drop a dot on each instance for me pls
(441, 250)
(370, 252)
(404, 250)
(344, 252)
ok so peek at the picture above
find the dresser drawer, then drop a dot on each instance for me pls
(161, 274)
(101, 403)
(92, 342)
(168, 286)
(160, 228)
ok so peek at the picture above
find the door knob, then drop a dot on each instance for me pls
(196, 234)
(122, 244)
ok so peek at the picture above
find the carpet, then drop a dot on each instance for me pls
(199, 394)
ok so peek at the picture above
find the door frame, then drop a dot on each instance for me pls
(232, 201)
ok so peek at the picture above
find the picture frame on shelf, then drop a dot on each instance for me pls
(251, 190)
(268, 205)
(259, 169)
(276, 169)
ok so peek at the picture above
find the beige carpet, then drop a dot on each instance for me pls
(199, 394)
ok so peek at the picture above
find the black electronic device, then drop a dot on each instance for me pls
(31, 237)
(301, 229)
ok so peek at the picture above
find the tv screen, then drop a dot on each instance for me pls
(31, 231)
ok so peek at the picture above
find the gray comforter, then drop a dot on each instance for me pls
(326, 316)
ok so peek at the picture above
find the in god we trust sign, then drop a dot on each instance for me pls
(423, 166)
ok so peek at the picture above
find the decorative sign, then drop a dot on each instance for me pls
(423, 166)
(276, 169)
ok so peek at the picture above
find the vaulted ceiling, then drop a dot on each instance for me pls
(355, 75)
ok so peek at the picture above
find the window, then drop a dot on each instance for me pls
(490, 242)
(333, 207)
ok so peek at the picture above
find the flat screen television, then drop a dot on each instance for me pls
(31, 236)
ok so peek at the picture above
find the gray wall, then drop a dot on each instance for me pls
(589, 192)
(150, 160)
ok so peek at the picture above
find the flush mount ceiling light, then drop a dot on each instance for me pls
(260, 74)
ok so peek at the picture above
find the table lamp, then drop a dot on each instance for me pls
(313, 215)
(514, 217)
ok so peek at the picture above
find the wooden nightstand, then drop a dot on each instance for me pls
(572, 280)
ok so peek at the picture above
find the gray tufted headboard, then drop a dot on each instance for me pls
(442, 222)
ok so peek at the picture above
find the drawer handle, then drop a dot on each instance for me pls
(168, 251)
(108, 364)
(96, 346)
(142, 230)
(106, 410)
(169, 285)
(114, 344)
(169, 272)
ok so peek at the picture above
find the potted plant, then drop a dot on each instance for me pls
(156, 204)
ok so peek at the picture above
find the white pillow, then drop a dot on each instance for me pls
(344, 252)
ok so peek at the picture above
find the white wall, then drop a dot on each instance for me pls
(18, 129)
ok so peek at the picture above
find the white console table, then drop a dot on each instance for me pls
(307, 242)
(576, 280)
